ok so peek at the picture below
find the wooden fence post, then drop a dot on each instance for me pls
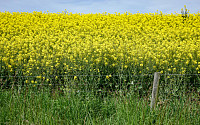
(155, 90)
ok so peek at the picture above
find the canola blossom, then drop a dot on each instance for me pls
(47, 43)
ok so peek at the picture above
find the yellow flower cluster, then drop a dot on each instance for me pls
(143, 43)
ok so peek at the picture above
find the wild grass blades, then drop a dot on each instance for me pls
(39, 106)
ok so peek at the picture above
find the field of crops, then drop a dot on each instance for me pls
(39, 43)
(44, 57)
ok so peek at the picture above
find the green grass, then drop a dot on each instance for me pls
(32, 105)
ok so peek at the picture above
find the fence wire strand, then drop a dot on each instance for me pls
(78, 75)
(105, 75)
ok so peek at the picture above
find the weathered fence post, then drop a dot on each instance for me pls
(155, 89)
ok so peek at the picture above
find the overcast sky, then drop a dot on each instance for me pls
(100, 6)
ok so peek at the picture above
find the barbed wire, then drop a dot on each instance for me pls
(78, 75)
(68, 85)
(78, 90)
(181, 74)
(102, 75)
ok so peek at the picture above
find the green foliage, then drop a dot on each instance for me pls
(32, 105)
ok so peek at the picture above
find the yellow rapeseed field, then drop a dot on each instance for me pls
(44, 43)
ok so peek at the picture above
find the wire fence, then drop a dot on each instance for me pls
(175, 90)
(105, 82)
(81, 75)
(106, 75)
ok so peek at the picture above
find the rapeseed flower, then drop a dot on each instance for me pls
(53, 44)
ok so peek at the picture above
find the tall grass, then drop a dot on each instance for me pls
(37, 105)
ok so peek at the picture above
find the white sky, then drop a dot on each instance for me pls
(100, 6)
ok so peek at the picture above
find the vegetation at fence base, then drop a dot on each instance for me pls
(32, 105)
